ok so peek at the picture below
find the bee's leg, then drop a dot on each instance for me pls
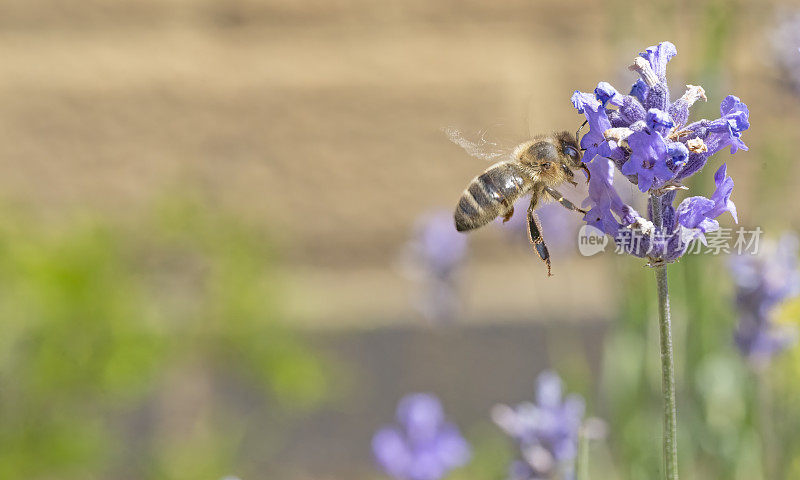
(568, 173)
(563, 201)
(535, 235)
(507, 216)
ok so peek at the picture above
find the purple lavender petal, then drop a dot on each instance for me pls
(692, 211)
(659, 121)
(546, 433)
(699, 213)
(728, 129)
(722, 194)
(658, 56)
(548, 390)
(693, 165)
(594, 142)
(607, 94)
(424, 447)
(631, 111)
(668, 213)
(421, 414)
(647, 160)
(639, 90)
(574, 408)
(657, 97)
(677, 156)
(452, 449)
(439, 244)
(603, 198)
(679, 110)
(426, 466)
(391, 452)
(734, 108)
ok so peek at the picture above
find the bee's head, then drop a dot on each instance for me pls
(570, 153)
(569, 150)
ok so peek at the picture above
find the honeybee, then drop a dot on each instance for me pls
(535, 167)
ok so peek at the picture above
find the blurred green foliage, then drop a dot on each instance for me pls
(112, 334)
(716, 425)
(735, 421)
(784, 383)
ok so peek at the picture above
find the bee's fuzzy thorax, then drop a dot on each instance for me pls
(522, 147)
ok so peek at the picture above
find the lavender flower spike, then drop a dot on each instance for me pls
(424, 446)
(646, 138)
(762, 283)
(546, 432)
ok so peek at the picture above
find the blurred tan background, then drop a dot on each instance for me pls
(321, 120)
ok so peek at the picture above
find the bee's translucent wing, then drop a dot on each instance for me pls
(481, 147)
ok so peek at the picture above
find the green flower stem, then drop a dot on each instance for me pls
(583, 455)
(667, 361)
(769, 444)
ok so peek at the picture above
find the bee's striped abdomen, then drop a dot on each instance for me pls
(490, 194)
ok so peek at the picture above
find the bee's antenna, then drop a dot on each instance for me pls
(578, 133)
(588, 173)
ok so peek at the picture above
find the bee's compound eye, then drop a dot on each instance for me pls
(571, 152)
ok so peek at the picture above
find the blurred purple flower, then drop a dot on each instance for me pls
(786, 47)
(646, 138)
(423, 446)
(762, 282)
(433, 258)
(546, 432)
